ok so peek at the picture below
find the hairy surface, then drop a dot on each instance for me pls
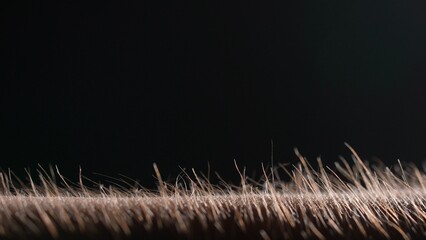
(354, 201)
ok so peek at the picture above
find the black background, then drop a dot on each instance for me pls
(115, 86)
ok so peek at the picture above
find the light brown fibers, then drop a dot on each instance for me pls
(350, 201)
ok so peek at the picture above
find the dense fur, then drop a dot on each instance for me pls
(351, 202)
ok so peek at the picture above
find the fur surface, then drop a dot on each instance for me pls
(353, 201)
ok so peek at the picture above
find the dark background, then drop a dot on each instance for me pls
(115, 86)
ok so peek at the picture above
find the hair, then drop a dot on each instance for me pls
(353, 201)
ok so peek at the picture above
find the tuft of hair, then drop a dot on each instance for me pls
(354, 201)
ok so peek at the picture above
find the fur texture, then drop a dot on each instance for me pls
(354, 201)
